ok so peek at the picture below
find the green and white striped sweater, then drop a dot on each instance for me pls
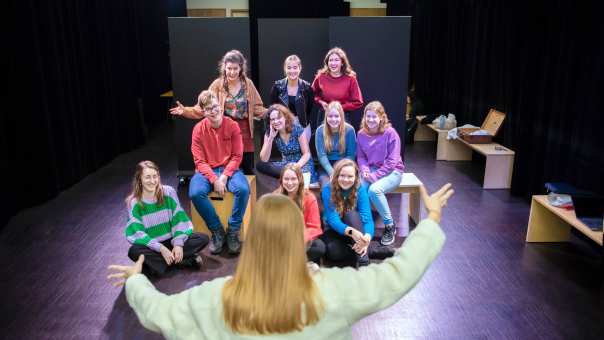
(150, 223)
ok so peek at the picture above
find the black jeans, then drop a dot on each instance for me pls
(247, 163)
(155, 263)
(316, 251)
(338, 246)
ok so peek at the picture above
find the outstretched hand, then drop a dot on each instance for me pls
(178, 110)
(435, 202)
(122, 273)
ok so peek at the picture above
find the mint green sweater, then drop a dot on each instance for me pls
(196, 313)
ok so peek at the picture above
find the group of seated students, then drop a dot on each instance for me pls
(223, 151)
(273, 291)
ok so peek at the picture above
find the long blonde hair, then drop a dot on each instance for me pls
(272, 291)
(341, 204)
(299, 199)
(381, 112)
(335, 105)
(137, 184)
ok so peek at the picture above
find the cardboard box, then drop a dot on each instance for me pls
(491, 124)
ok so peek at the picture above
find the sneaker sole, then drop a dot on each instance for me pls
(386, 243)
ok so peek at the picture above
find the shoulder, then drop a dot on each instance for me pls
(217, 83)
(391, 133)
(200, 125)
(349, 128)
(320, 129)
(326, 190)
(297, 129)
(279, 83)
(168, 190)
(309, 197)
(303, 83)
(250, 84)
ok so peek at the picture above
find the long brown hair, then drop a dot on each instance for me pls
(272, 291)
(335, 105)
(235, 57)
(299, 198)
(283, 112)
(346, 67)
(343, 205)
(137, 184)
(381, 112)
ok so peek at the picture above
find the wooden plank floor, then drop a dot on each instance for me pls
(487, 283)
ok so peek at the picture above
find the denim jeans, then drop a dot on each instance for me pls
(377, 194)
(200, 187)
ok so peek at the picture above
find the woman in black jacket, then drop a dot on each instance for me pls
(295, 94)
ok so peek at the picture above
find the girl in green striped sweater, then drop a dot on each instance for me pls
(157, 225)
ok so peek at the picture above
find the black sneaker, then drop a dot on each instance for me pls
(388, 235)
(233, 243)
(380, 252)
(217, 241)
(192, 262)
(363, 260)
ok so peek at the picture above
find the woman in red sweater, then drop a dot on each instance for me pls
(291, 183)
(337, 81)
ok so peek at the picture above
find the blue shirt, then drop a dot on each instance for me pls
(334, 155)
(332, 217)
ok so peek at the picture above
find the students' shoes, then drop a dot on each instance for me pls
(380, 252)
(363, 261)
(192, 262)
(217, 241)
(388, 235)
(233, 242)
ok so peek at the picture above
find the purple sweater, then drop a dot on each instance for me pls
(381, 152)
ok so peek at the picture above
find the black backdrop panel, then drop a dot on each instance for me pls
(378, 50)
(196, 47)
(278, 38)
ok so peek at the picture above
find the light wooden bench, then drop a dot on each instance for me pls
(224, 207)
(411, 206)
(551, 224)
(499, 165)
(423, 133)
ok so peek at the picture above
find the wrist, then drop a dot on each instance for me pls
(434, 215)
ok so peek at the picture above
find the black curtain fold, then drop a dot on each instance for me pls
(539, 61)
(85, 83)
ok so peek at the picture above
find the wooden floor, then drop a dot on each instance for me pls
(487, 283)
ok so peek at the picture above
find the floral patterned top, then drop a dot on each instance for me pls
(292, 152)
(236, 106)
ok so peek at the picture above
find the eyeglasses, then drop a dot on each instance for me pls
(211, 108)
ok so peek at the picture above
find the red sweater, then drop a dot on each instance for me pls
(213, 148)
(344, 89)
(312, 218)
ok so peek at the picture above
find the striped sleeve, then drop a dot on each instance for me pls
(135, 229)
(181, 224)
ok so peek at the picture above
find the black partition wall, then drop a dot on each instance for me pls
(196, 47)
(278, 38)
(378, 50)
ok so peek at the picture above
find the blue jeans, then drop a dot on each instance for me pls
(377, 194)
(200, 187)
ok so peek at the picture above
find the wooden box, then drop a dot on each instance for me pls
(491, 124)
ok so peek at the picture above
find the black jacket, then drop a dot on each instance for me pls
(304, 99)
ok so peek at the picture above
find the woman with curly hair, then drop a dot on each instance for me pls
(347, 215)
(237, 98)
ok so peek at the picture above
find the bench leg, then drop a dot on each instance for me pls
(451, 150)
(403, 217)
(545, 226)
(498, 172)
(415, 206)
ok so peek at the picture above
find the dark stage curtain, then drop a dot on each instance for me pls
(541, 62)
(85, 79)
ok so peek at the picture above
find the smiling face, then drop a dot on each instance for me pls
(372, 119)
(232, 71)
(333, 119)
(292, 70)
(149, 180)
(213, 113)
(277, 120)
(347, 177)
(290, 181)
(334, 63)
